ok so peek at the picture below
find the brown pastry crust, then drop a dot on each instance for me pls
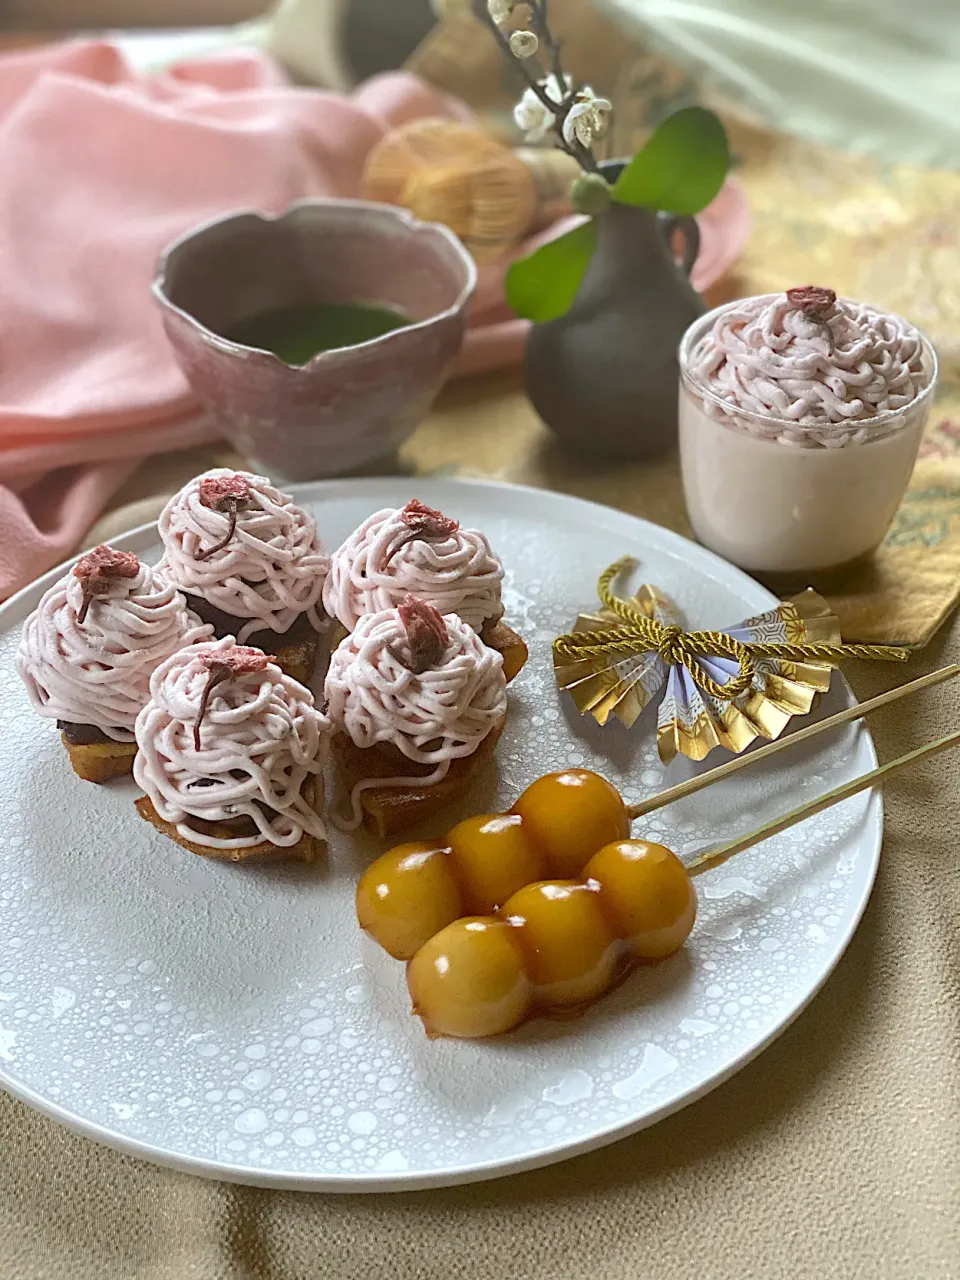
(509, 644)
(389, 810)
(297, 659)
(307, 849)
(100, 761)
(294, 650)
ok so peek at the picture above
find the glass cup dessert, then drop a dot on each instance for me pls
(800, 419)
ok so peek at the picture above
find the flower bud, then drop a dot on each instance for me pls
(523, 44)
(590, 193)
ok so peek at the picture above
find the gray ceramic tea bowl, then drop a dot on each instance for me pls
(346, 407)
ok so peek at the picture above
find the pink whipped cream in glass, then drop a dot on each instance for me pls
(800, 419)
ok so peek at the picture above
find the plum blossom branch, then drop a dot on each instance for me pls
(549, 98)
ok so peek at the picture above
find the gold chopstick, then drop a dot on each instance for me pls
(722, 771)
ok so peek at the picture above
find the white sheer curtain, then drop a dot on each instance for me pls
(878, 76)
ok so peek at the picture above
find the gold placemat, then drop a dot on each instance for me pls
(812, 221)
(888, 234)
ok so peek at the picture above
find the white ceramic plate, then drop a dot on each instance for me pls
(233, 1021)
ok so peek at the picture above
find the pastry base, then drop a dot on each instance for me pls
(299, 659)
(307, 849)
(387, 811)
(294, 652)
(100, 761)
(509, 644)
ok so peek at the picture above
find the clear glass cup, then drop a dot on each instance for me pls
(761, 497)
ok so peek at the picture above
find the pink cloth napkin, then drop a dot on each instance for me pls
(99, 169)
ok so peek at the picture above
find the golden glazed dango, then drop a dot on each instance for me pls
(555, 945)
(490, 940)
(552, 945)
(567, 941)
(571, 815)
(647, 893)
(407, 896)
(469, 980)
(556, 826)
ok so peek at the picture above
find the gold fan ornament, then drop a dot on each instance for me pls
(721, 688)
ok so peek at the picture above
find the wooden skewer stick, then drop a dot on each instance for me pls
(722, 771)
(714, 857)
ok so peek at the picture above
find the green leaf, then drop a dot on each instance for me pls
(682, 166)
(542, 286)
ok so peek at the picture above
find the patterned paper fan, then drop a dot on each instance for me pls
(715, 688)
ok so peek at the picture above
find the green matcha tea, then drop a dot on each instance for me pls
(297, 334)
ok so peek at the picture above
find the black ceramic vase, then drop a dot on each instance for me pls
(604, 376)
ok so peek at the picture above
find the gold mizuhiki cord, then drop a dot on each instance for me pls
(676, 646)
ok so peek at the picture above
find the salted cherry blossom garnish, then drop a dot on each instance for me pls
(228, 495)
(423, 522)
(427, 635)
(813, 301)
(225, 664)
(98, 569)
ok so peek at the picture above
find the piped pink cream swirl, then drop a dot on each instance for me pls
(416, 551)
(246, 548)
(424, 684)
(97, 671)
(260, 738)
(810, 359)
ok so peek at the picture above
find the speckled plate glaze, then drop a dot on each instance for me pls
(233, 1022)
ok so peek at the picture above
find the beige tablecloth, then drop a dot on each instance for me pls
(835, 1154)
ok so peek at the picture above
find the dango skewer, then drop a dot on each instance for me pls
(414, 890)
(561, 944)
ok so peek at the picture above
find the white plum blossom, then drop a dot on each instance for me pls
(532, 115)
(499, 10)
(523, 44)
(585, 119)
